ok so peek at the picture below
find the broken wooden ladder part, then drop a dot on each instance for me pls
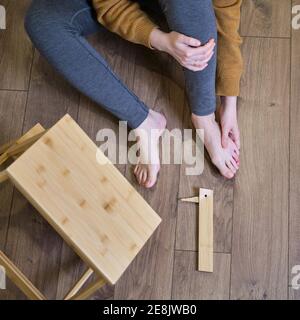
(205, 229)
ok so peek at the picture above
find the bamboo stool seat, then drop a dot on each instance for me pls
(86, 200)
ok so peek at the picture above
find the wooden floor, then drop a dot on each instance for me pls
(257, 216)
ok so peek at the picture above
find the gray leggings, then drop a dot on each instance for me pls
(58, 29)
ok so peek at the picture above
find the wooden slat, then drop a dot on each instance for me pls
(16, 49)
(37, 129)
(266, 18)
(3, 176)
(189, 283)
(18, 278)
(5, 146)
(206, 227)
(79, 284)
(158, 80)
(260, 230)
(34, 131)
(90, 289)
(19, 147)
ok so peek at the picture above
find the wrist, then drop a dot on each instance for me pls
(158, 39)
(229, 101)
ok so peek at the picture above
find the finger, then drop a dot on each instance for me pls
(194, 68)
(198, 64)
(199, 59)
(202, 51)
(190, 41)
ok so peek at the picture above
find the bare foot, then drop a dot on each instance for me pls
(148, 134)
(225, 159)
(227, 115)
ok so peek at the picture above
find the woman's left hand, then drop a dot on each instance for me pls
(189, 52)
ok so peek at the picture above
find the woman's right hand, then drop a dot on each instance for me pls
(189, 52)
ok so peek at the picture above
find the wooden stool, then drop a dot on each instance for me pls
(85, 199)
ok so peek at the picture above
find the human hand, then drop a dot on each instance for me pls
(228, 120)
(189, 52)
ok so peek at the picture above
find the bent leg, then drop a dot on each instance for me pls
(57, 28)
(196, 18)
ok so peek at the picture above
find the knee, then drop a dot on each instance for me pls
(33, 18)
(40, 23)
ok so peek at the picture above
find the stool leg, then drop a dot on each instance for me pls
(19, 279)
(15, 148)
(3, 176)
(4, 147)
(79, 284)
(90, 289)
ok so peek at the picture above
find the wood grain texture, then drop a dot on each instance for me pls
(205, 231)
(294, 231)
(157, 82)
(12, 110)
(189, 283)
(266, 18)
(294, 294)
(16, 49)
(86, 201)
(260, 222)
(79, 284)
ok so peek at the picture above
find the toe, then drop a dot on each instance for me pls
(224, 170)
(150, 182)
(144, 177)
(230, 166)
(236, 158)
(227, 173)
(141, 173)
(151, 178)
(235, 164)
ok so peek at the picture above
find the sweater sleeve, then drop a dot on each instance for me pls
(125, 18)
(230, 63)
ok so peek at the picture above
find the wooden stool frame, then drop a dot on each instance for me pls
(97, 263)
(13, 150)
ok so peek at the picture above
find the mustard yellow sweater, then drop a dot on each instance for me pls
(125, 18)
